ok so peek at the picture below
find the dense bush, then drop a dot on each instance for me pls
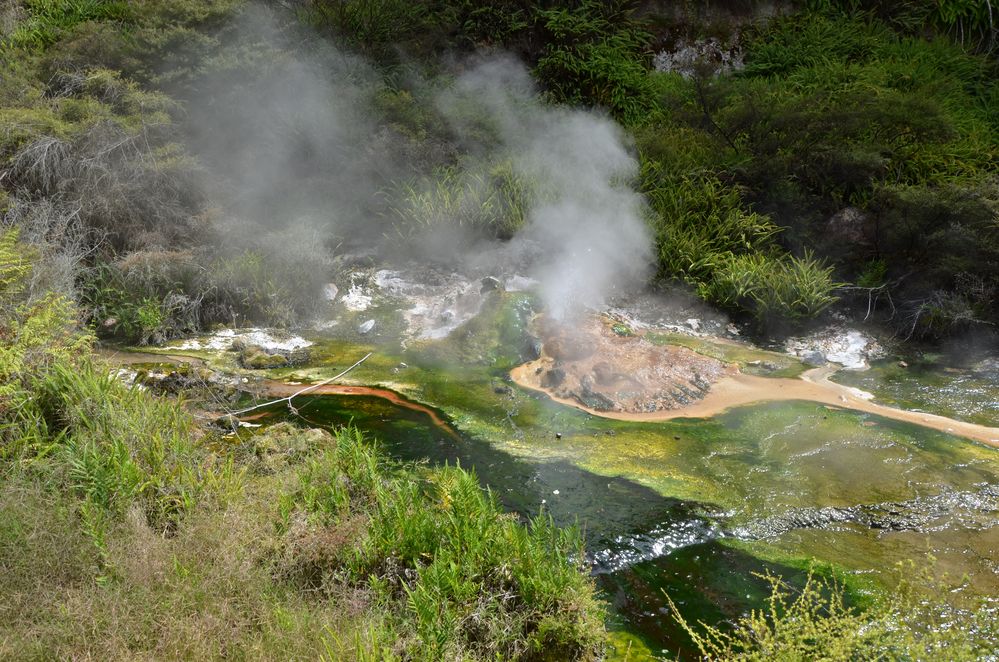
(595, 55)
(707, 238)
(834, 125)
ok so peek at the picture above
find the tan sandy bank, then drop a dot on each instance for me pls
(739, 389)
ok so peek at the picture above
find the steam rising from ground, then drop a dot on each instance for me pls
(586, 223)
(297, 141)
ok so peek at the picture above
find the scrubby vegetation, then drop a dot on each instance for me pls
(831, 132)
(815, 622)
(851, 160)
(850, 148)
(123, 517)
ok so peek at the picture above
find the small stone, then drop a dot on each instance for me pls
(366, 327)
(903, 364)
(490, 284)
(403, 366)
(558, 435)
(330, 292)
(555, 492)
(814, 357)
(693, 323)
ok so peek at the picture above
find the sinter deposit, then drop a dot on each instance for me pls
(604, 366)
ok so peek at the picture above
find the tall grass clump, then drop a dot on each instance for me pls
(489, 202)
(48, 20)
(784, 287)
(467, 581)
(596, 54)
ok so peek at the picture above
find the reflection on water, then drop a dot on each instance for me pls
(923, 385)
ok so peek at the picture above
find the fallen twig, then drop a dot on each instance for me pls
(301, 392)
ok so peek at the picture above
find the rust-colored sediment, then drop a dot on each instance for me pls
(279, 389)
(283, 390)
(739, 389)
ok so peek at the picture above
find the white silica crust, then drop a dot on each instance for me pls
(222, 340)
(849, 348)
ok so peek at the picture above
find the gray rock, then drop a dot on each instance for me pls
(553, 378)
(490, 284)
(366, 327)
(850, 225)
(814, 357)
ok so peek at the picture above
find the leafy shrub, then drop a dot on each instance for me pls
(122, 304)
(595, 56)
(816, 623)
(33, 333)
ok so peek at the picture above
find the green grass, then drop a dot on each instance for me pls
(129, 530)
(492, 202)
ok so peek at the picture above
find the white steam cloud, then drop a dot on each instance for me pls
(587, 228)
(297, 149)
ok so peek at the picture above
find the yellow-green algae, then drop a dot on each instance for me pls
(931, 386)
(755, 467)
(750, 360)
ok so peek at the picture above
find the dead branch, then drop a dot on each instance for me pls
(301, 392)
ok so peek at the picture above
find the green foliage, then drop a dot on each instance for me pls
(970, 22)
(371, 25)
(500, 23)
(595, 56)
(49, 20)
(836, 110)
(493, 201)
(838, 106)
(161, 515)
(787, 287)
(119, 310)
(815, 623)
(263, 285)
(33, 334)
(705, 237)
(698, 220)
(443, 547)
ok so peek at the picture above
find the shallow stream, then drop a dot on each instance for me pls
(688, 507)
